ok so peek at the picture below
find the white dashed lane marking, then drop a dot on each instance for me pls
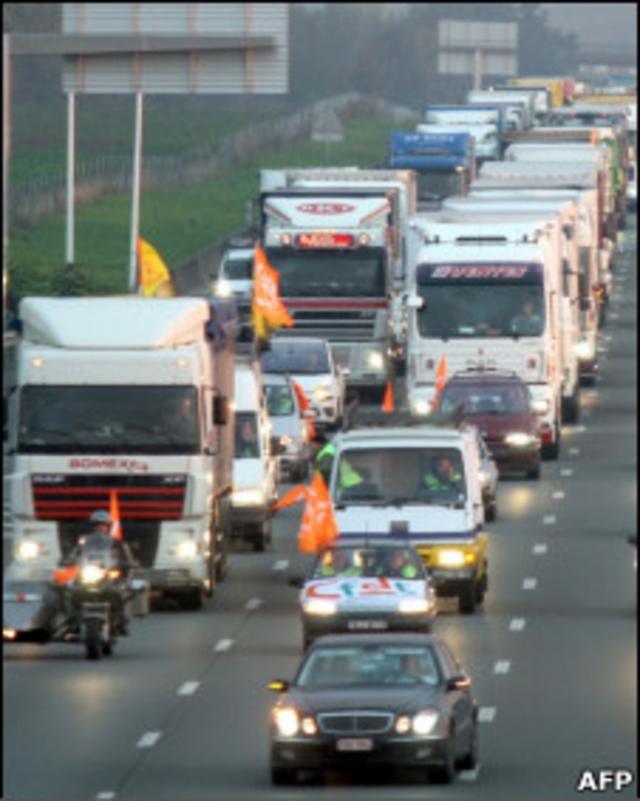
(502, 667)
(469, 775)
(540, 548)
(549, 520)
(529, 584)
(558, 495)
(581, 429)
(253, 604)
(149, 739)
(517, 624)
(222, 645)
(107, 795)
(188, 688)
(574, 451)
(281, 564)
(566, 472)
(486, 714)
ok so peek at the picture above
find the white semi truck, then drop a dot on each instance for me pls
(125, 396)
(337, 238)
(486, 295)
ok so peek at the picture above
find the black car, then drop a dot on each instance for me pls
(383, 700)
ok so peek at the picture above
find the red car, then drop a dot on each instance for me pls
(499, 404)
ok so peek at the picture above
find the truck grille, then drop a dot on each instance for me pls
(338, 324)
(355, 722)
(141, 536)
(69, 497)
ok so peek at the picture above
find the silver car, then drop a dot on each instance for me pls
(289, 428)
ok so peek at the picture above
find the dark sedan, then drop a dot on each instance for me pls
(383, 700)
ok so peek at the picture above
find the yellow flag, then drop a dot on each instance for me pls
(154, 279)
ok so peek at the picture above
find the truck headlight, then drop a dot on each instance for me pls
(187, 549)
(420, 406)
(483, 477)
(375, 360)
(320, 606)
(92, 574)
(519, 439)
(247, 497)
(323, 393)
(584, 350)
(424, 722)
(451, 558)
(540, 406)
(27, 549)
(413, 606)
(286, 720)
(223, 289)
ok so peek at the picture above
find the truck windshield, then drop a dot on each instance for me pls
(390, 476)
(108, 419)
(441, 183)
(480, 300)
(330, 273)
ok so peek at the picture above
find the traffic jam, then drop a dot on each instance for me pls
(390, 350)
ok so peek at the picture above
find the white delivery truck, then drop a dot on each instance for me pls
(337, 239)
(486, 136)
(486, 295)
(577, 219)
(525, 99)
(125, 397)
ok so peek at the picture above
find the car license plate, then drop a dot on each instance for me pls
(355, 744)
(367, 625)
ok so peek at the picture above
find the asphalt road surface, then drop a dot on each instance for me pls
(181, 711)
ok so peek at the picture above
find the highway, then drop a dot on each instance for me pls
(181, 710)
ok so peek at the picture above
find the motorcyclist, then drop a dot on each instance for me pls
(100, 533)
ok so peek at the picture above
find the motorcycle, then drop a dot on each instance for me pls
(85, 603)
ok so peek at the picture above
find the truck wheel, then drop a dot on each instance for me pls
(551, 452)
(193, 600)
(481, 587)
(534, 473)
(259, 538)
(571, 407)
(93, 640)
(282, 776)
(467, 599)
(491, 511)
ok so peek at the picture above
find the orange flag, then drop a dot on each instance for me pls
(294, 495)
(318, 527)
(387, 402)
(441, 374)
(114, 511)
(63, 575)
(268, 310)
(304, 404)
(154, 279)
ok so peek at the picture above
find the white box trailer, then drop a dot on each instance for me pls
(125, 396)
(486, 295)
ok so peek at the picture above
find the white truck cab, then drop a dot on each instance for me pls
(418, 484)
(487, 141)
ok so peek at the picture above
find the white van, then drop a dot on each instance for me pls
(254, 467)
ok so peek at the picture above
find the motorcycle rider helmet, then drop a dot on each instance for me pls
(100, 517)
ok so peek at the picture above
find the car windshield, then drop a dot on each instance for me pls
(479, 400)
(247, 446)
(389, 476)
(280, 401)
(369, 562)
(108, 419)
(295, 358)
(381, 665)
(480, 301)
(238, 269)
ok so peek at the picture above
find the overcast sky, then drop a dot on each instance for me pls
(604, 23)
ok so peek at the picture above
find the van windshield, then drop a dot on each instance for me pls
(388, 476)
(238, 269)
(247, 446)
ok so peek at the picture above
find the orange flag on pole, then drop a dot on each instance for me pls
(154, 279)
(114, 511)
(387, 401)
(441, 374)
(294, 495)
(268, 311)
(318, 527)
(305, 405)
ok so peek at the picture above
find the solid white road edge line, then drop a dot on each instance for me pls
(149, 739)
(188, 688)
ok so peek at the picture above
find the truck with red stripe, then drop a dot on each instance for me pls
(124, 399)
(336, 236)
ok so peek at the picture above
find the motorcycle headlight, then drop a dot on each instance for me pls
(413, 606)
(424, 722)
(320, 606)
(584, 350)
(27, 549)
(451, 558)
(187, 549)
(223, 289)
(420, 406)
(247, 497)
(540, 406)
(286, 720)
(375, 360)
(519, 439)
(92, 574)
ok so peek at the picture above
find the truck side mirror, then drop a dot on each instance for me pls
(220, 410)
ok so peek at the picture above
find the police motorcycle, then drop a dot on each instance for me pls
(84, 603)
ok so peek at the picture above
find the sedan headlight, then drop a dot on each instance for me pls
(451, 558)
(540, 406)
(519, 439)
(375, 360)
(413, 606)
(247, 497)
(223, 289)
(424, 722)
(420, 406)
(323, 393)
(584, 350)
(319, 606)
(286, 720)
(27, 549)
(92, 574)
(187, 549)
